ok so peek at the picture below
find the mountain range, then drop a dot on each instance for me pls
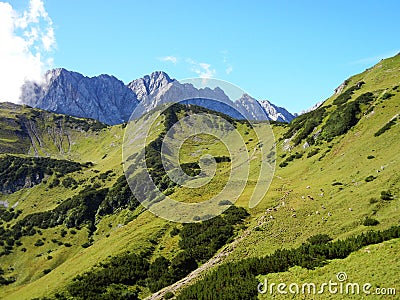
(109, 100)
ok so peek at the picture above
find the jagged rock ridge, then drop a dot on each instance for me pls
(108, 100)
(103, 97)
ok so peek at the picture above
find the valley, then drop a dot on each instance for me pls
(71, 228)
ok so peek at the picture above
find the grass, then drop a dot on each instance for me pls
(376, 264)
(346, 159)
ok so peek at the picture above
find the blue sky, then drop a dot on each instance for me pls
(293, 53)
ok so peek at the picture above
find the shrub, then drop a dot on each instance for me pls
(283, 164)
(313, 152)
(39, 243)
(225, 202)
(370, 157)
(85, 245)
(46, 271)
(169, 295)
(341, 120)
(365, 98)
(386, 195)
(386, 127)
(319, 239)
(175, 231)
(54, 183)
(370, 178)
(373, 200)
(387, 96)
(304, 125)
(345, 96)
(370, 222)
(69, 182)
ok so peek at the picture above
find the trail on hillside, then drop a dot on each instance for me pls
(204, 267)
(216, 259)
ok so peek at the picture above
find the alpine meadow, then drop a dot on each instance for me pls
(72, 226)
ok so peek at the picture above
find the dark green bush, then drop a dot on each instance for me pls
(345, 96)
(283, 164)
(39, 243)
(69, 182)
(373, 200)
(386, 195)
(15, 170)
(304, 124)
(370, 222)
(313, 152)
(370, 178)
(175, 231)
(225, 202)
(319, 239)
(341, 120)
(169, 295)
(85, 245)
(386, 127)
(387, 96)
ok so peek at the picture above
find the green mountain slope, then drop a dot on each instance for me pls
(337, 173)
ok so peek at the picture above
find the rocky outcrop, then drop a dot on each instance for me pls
(276, 113)
(159, 88)
(314, 107)
(104, 97)
(340, 88)
(108, 100)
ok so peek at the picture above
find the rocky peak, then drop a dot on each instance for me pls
(108, 100)
(148, 84)
(276, 113)
(103, 97)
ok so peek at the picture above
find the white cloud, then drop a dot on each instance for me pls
(229, 69)
(170, 58)
(225, 60)
(27, 40)
(203, 70)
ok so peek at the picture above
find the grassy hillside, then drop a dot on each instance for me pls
(337, 173)
(333, 183)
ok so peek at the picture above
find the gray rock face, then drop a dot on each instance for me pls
(276, 113)
(314, 107)
(108, 100)
(104, 97)
(340, 88)
(159, 88)
(254, 108)
(147, 85)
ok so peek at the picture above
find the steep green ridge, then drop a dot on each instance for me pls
(87, 210)
(25, 130)
(342, 183)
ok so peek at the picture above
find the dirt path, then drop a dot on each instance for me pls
(219, 257)
(206, 266)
